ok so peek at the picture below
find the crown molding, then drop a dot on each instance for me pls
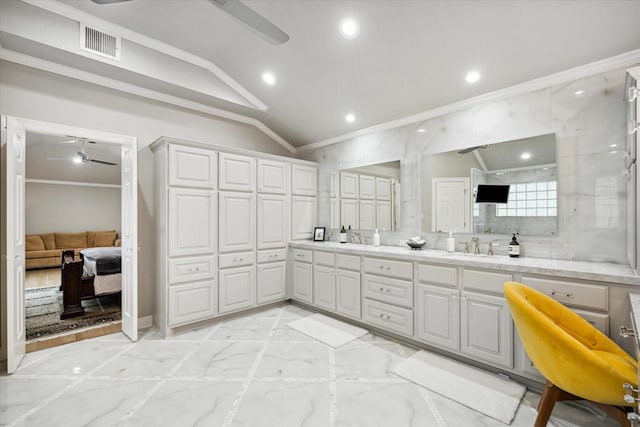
(74, 14)
(72, 183)
(63, 70)
(626, 59)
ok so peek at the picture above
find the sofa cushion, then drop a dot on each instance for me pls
(71, 240)
(33, 243)
(91, 237)
(47, 253)
(49, 240)
(105, 239)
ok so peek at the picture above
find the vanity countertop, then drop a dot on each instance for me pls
(595, 271)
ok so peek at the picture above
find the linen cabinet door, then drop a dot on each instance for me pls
(191, 167)
(349, 213)
(367, 186)
(272, 221)
(349, 185)
(192, 215)
(192, 302)
(304, 213)
(348, 301)
(367, 215)
(383, 188)
(271, 280)
(438, 316)
(383, 215)
(237, 173)
(304, 180)
(272, 177)
(237, 222)
(237, 287)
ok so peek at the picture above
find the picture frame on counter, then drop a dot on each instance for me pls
(318, 234)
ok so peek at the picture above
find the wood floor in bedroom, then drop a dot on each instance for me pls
(42, 277)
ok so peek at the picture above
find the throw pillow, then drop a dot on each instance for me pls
(71, 240)
(33, 243)
(105, 239)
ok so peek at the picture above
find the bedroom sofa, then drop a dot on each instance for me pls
(44, 250)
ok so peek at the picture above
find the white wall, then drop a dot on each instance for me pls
(38, 95)
(71, 208)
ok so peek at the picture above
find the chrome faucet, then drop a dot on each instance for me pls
(491, 245)
(476, 247)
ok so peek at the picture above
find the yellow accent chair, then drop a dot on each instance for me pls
(578, 361)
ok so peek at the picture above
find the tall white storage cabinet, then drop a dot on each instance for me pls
(186, 209)
(304, 203)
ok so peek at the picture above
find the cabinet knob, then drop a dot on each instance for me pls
(627, 332)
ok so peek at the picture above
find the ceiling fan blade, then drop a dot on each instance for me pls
(60, 158)
(107, 1)
(102, 162)
(470, 149)
(252, 20)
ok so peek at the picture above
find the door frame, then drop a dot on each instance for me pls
(129, 218)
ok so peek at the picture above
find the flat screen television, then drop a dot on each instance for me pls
(492, 193)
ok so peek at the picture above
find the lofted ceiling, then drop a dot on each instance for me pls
(410, 56)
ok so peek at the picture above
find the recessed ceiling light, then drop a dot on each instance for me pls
(472, 76)
(525, 156)
(269, 78)
(422, 130)
(349, 28)
(350, 118)
(613, 145)
(579, 92)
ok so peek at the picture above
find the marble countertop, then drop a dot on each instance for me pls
(599, 272)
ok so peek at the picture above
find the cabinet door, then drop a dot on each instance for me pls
(383, 215)
(486, 329)
(272, 177)
(237, 287)
(349, 213)
(192, 302)
(237, 173)
(348, 185)
(383, 189)
(335, 213)
(302, 282)
(191, 167)
(304, 212)
(348, 293)
(334, 184)
(438, 317)
(324, 287)
(367, 215)
(271, 280)
(272, 221)
(192, 219)
(237, 222)
(367, 187)
(304, 180)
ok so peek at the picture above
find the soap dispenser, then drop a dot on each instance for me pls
(514, 247)
(376, 238)
(343, 235)
(451, 242)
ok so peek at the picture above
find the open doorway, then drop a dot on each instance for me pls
(72, 203)
(15, 131)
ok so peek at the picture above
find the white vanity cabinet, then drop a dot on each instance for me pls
(271, 282)
(336, 283)
(324, 287)
(302, 275)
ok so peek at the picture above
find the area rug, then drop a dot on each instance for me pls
(327, 330)
(44, 305)
(481, 391)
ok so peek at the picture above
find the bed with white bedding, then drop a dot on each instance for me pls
(104, 263)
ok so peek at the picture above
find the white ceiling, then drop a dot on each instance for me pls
(410, 57)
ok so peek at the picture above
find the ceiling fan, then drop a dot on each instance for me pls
(470, 149)
(82, 155)
(246, 16)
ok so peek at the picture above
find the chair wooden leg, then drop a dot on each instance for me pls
(616, 412)
(548, 399)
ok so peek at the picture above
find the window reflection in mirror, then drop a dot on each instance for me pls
(367, 197)
(528, 166)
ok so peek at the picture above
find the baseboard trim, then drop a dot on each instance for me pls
(145, 322)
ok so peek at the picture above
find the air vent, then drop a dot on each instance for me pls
(99, 43)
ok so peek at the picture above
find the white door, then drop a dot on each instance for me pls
(383, 215)
(348, 185)
(272, 177)
(304, 213)
(271, 281)
(349, 213)
(272, 221)
(324, 287)
(367, 214)
(367, 187)
(237, 173)
(383, 189)
(450, 205)
(237, 288)
(191, 230)
(304, 180)
(129, 196)
(348, 293)
(335, 212)
(438, 316)
(16, 335)
(237, 230)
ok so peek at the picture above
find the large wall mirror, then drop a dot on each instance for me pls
(367, 197)
(449, 182)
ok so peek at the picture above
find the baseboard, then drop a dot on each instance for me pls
(145, 322)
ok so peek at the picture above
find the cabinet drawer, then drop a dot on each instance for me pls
(324, 258)
(192, 302)
(437, 274)
(573, 294)
(191, 269)
(348, 262)
(237, 259)
(303, 255)
(385, 289)
(272, 255)
(385, 267)
(487, 281)
(387, 316)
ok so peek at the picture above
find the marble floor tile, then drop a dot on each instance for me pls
(220, 359)
(20, 395)
(187, 403)
(284, 404)
(294, 360)
(243, 328)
